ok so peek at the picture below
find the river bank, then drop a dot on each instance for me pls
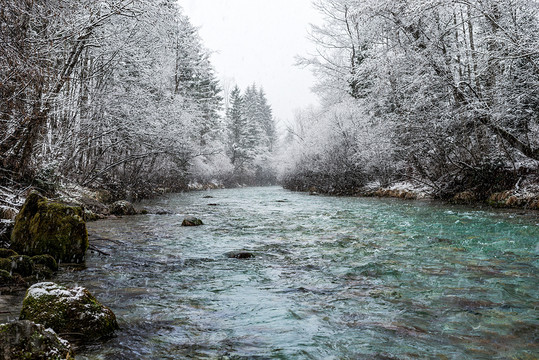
(525, 195)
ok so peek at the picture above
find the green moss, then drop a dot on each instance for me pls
(40, 272)
(69, 314)
(22, 264)
(45, 310)
(46, 260)
(5, 253)
(45, 227)
(5, 264)
(27, 340)
(5, 277)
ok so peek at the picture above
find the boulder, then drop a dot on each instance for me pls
(240, 254)
(464, 197)
(27, 340)
(22, 265)
(5, 278)
(44, 267)
(45, 260)
(27, 269)
(68, 311)
(47, 227)
(122, 207)
(19, 264)
(192, 221)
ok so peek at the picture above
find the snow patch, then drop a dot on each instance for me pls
(52, 289)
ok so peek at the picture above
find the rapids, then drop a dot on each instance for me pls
(331, 278)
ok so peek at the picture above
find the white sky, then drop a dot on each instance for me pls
(257, 41)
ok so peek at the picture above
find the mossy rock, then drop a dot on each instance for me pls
(44, 267)
(22, 264)
(5, 253)
(89, 215)
(46, 227)
(45, 260)
(41, 273)
(30, 341)
(122, 207)
(464, 197)
(192, 221)
(19, 264)
(69, 311)
(5, 264)
(5, 278)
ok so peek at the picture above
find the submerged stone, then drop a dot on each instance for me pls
(27, 340)
(47, 227)
(69, 311)
(122, 207)
(192, 221)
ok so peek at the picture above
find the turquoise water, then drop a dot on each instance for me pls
(332, 278)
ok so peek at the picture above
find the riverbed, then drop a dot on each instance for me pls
(331, 278)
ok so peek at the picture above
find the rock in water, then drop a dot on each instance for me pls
(21, 264)
(192, 221)
(240, 255)
(122, 207)
(27, 340)
(46, 227)
(68, 311)
(5, 278)
(46, 260)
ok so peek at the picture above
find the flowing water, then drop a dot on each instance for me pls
(332, 278)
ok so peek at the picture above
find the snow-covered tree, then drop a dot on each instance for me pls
(251, 130)
(116, 92)
(448, 86)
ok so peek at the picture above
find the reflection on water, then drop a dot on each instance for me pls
(332, 278)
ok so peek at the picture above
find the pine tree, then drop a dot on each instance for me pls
(266, 120)
(236, 126)
(195, 80)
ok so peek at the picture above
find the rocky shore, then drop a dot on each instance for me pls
(40, 236)
(35, 240)
(525, 196)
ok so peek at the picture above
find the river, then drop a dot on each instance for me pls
(332, 278)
